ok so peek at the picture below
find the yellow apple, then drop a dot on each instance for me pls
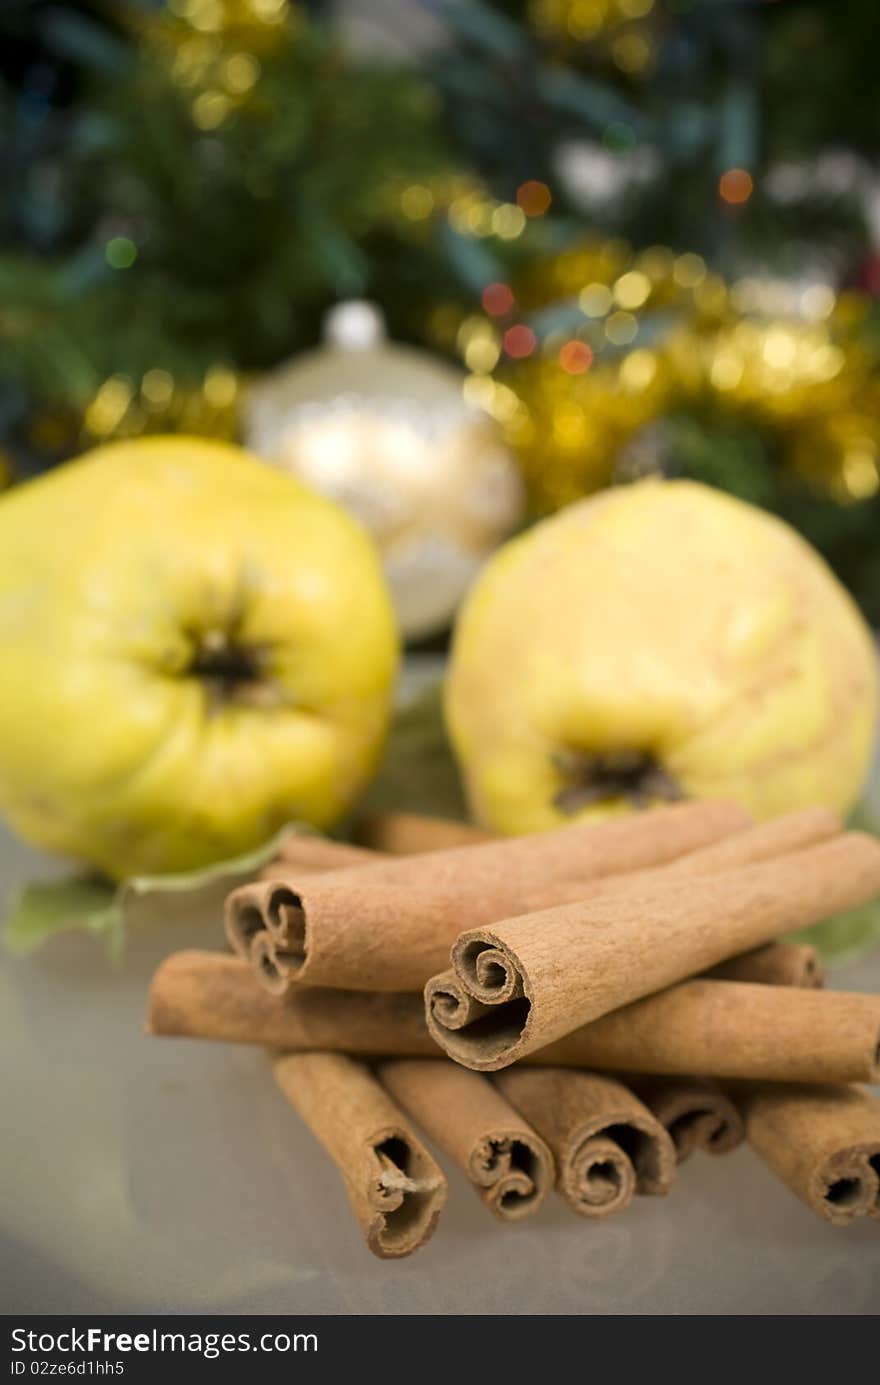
(658, 640)
(194, 649)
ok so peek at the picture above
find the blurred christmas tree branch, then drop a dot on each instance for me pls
(188, 187)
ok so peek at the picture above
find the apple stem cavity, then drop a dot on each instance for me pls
(598, 777)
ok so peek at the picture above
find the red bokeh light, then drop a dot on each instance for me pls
(498, 299)
(519, 341)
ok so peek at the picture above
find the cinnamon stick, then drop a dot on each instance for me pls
(210, 995)
(695, 1112)
(409, 834)
(822, 1141)
(395, 1188)
(508, 1164)
(389, 925)
(606, 1143)
(723, 1029)
(302, 854)
(542, 975)
(774, 964)
(760, 841)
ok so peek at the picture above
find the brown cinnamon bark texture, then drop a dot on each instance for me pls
(606, 1143)
(761, 841)
(695, 1112)
(268, 964)
(508, 1164)
(722, 1029)
(543, 975)
(408, 834)
(822, 1141)
(395, 1188)
(389, 926)
(210, 995)
(304, 854)
(774, 964)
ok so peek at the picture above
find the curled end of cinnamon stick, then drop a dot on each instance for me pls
(608, 1145)
(448, 1005)
(775, 964)
(598, 1179)
(269, 964)
(514, 1170)
(406, 1194)
(266, 924)
(847, 1185)
(242, 919)
(479, 1011)
(395, 1188)
(822, 1140)
(695, 1113)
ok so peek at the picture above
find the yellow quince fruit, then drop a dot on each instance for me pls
(194, 650)
(655, 641)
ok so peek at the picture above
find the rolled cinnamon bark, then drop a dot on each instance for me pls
(210, 995)
(723, 1029)
(508, 1164)
(389, 926)
(305, 855)
(695, 1112)
(606, 1143)
(395, 1188)
(774, 964)
(543, 975)
(409, 834)
(761, 841)
(268, 964)
(822, 1141)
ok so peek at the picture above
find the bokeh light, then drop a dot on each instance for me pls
(576, 357)
(735, 186)
(533, 198)
(519, 341)
(497, 299)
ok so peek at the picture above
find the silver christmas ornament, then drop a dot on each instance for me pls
(385, 431)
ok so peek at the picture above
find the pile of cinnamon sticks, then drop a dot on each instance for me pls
(390, 980)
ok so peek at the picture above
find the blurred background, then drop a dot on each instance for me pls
(597, 239)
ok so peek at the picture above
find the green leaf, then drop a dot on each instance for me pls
(418, 773)
(41, 910)
(853, 933)
(847, 936)
(197, 891)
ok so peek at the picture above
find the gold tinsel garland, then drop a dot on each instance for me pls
(585, 349)
(598, 342)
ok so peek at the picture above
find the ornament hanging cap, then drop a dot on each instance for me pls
(355, 325)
